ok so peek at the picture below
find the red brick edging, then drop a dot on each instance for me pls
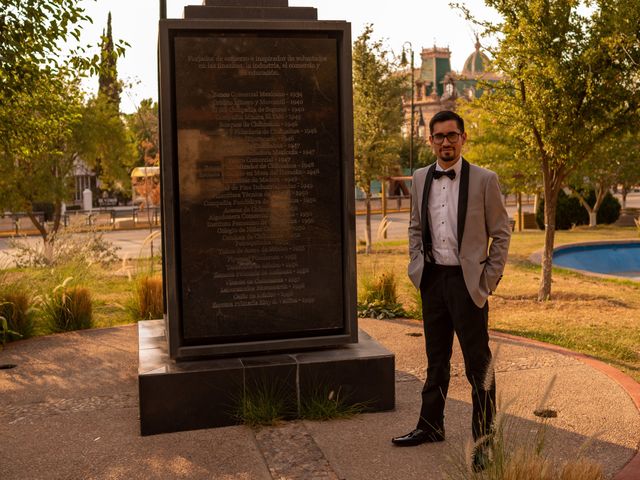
(631, 471)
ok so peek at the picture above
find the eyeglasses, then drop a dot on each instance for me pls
(453, 137)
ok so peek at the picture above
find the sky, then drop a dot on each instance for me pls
(421, 22)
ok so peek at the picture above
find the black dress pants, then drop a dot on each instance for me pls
(447, 307)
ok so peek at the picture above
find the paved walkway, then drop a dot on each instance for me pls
(69, 410)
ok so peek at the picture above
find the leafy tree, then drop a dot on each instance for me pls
(30, 35)
(377, 112)
(610, 163)
(571, 83)
(144, 127)
(109, 86)
(37, 158)
(104, 138)
(41, 106)
(422, 153)
(493, 146)
(596, 176)
(106, 144)
(625, 160)
(570, 211)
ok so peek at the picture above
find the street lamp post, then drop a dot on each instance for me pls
(404, 61)
(163, 9)
(163, 16)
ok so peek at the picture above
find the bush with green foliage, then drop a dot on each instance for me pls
(379, 297)
(16, 310)
(570, 212)
(67, 308)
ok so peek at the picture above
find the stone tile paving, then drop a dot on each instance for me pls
(291, 453)
(16, 413)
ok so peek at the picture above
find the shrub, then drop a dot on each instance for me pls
(147, 302)
(609, 211)
(379, 297)
(416, 311)
(570, 211)
(70, 245)
(68, 309)
(15, 308)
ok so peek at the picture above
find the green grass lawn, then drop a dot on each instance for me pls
(596, 316)
(112, 288)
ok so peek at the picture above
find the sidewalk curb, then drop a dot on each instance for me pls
(631, 471)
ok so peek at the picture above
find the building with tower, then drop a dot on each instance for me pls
(437, 87)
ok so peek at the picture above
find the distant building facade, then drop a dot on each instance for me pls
(437, 87)
(84, 177)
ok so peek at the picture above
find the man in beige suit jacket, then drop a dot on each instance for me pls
(458, 241)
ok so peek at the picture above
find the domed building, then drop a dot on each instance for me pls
(437, 87)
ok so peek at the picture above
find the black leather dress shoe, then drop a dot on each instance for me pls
(418, 436)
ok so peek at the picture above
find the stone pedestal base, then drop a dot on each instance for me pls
(207, 393)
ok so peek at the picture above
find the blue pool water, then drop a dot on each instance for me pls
(622, 259)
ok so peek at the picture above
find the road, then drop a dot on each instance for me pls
(130, 242)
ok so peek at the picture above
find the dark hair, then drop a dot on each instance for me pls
(443, 116)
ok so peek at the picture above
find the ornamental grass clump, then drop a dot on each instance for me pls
(513, 453)
(67, 308)
(148, 299)
(322, 403)
(415, 311)
(379, 297)
(264, 403)
(18, 314)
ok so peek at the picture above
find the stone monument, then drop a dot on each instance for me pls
(258, 217)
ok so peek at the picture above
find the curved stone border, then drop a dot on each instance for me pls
(631, 471)
(536, 257)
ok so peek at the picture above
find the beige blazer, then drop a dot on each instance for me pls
(481, 216)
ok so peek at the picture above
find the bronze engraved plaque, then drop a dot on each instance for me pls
(259, 185)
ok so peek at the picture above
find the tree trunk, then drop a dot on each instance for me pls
(592, 211)
(39, 226)
(550, 204)
(57, 218)
(601, 192)
(47, 240)
(367, 230)
(383, 195)
(148, 186)
(624, 196)
(519, 205)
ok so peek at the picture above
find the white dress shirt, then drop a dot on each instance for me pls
(443, 216)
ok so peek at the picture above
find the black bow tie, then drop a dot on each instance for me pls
(439, 173)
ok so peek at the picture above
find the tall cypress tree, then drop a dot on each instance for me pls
(108, 78)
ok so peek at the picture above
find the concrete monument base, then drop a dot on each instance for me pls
(179, 396)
